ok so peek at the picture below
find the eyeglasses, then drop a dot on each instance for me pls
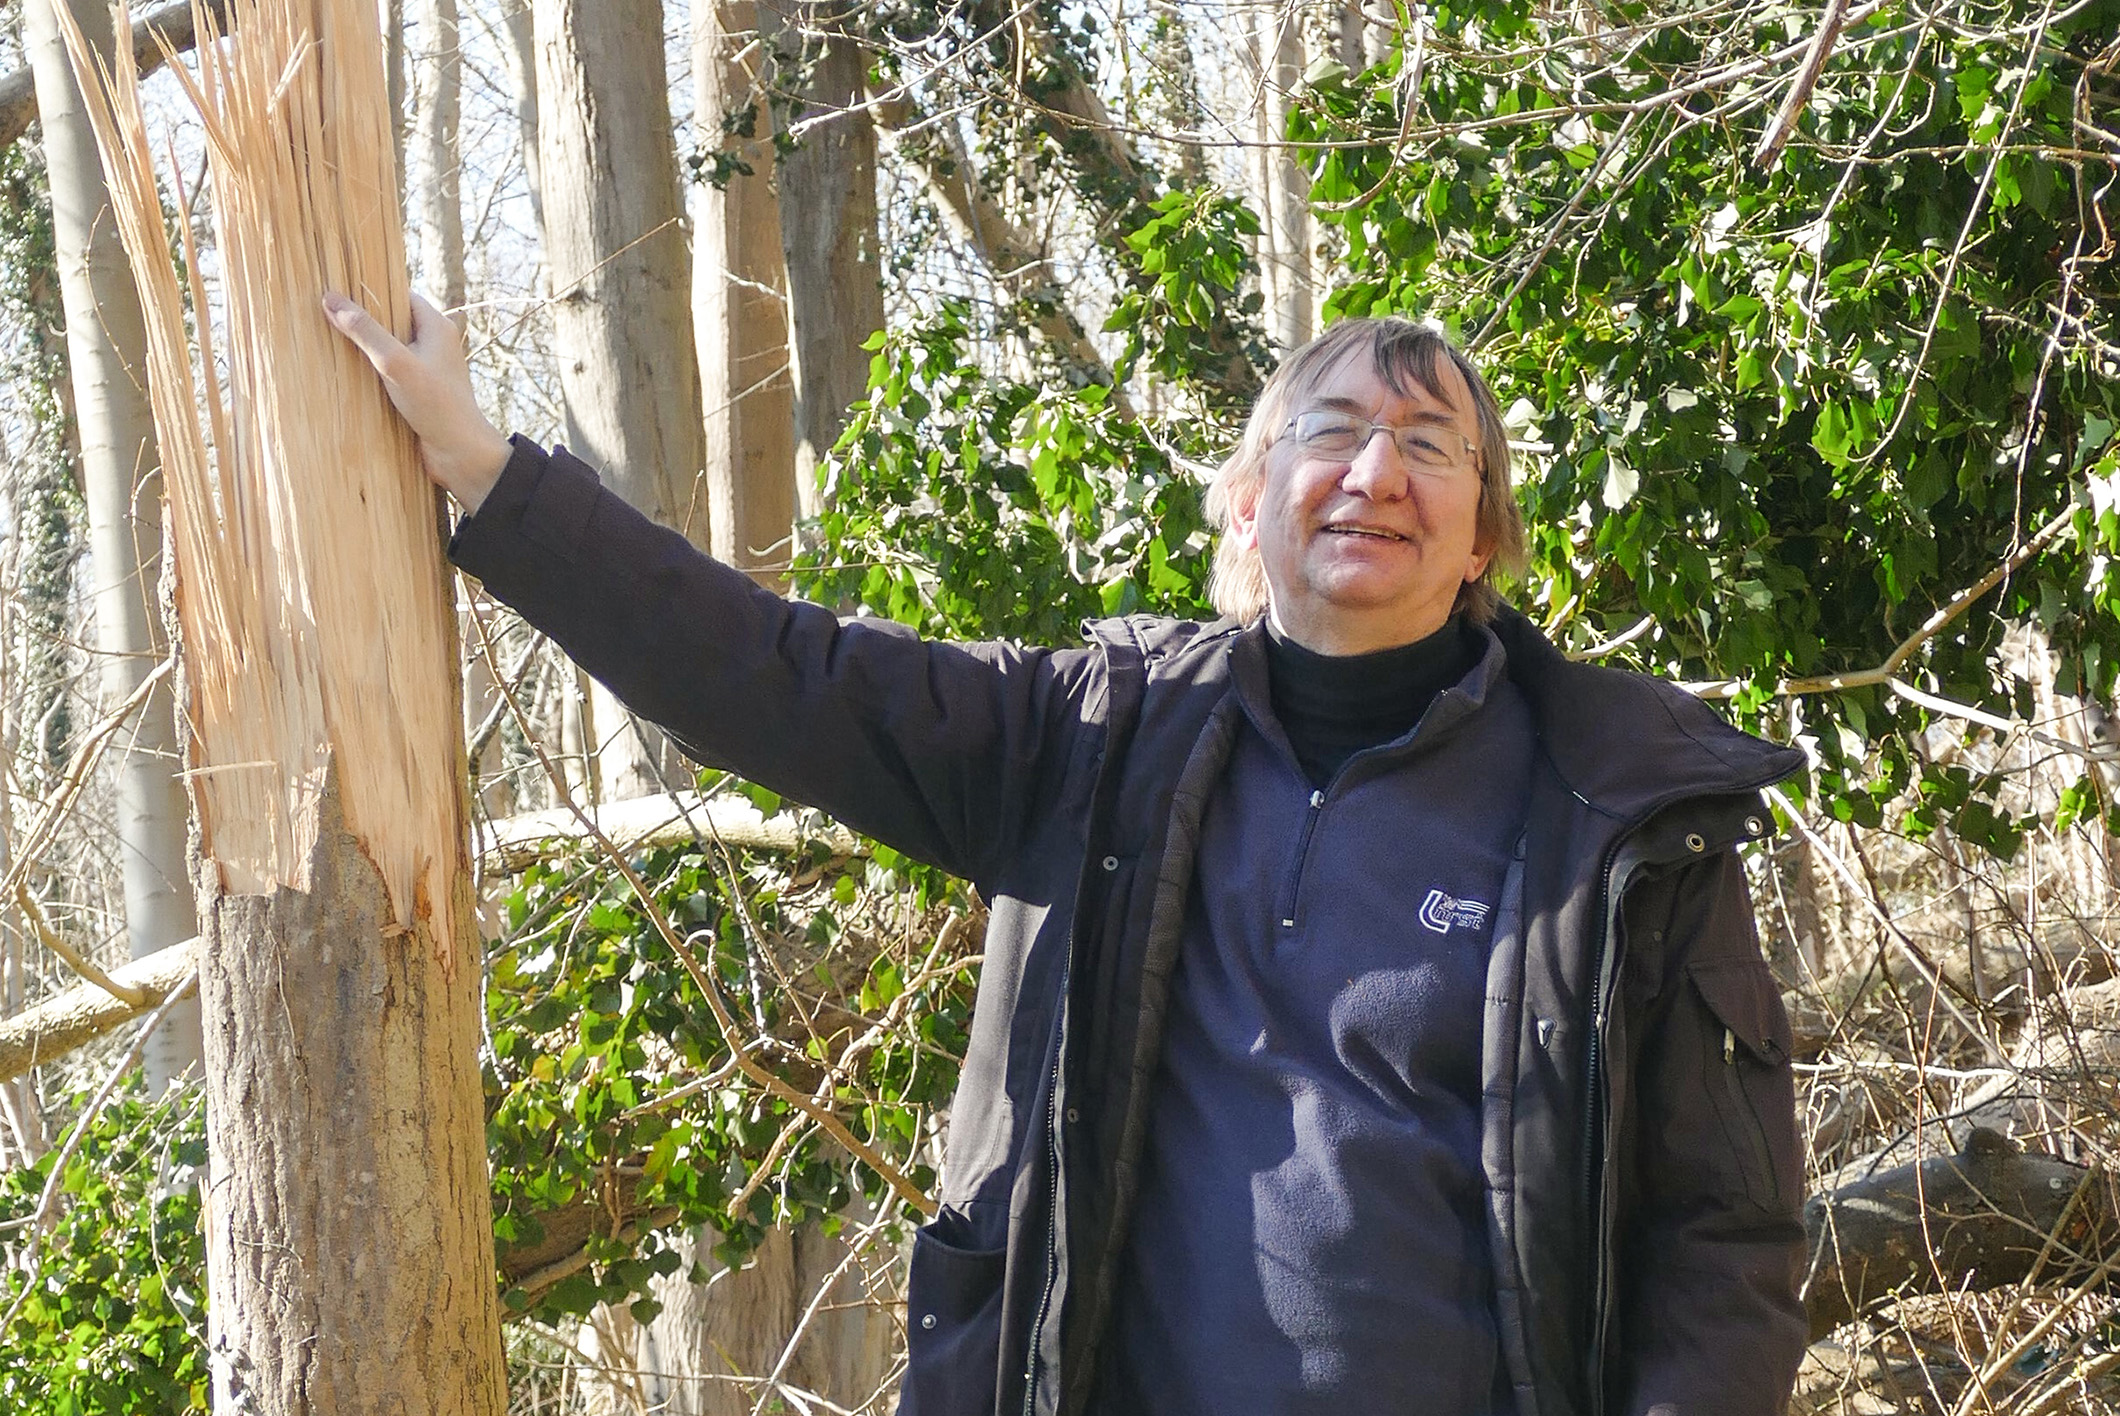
(1338, 436)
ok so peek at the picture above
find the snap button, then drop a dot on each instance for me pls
(1074, 1114)
(1111, 862)
(927, 1322)
(1694, 842)
(1756, 826)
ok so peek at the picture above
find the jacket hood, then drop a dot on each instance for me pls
(1600, 726)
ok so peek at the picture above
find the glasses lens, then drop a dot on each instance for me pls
(1330, 432)
(1428, 447)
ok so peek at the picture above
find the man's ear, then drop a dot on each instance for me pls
(1243, 532)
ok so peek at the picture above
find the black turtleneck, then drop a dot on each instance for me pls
(1334, 705)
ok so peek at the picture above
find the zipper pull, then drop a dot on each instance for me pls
(1729, 1048)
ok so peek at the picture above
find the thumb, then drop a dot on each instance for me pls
(369, 336)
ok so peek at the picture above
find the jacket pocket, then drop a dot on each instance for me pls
(1747, 1075)
(953, 1322)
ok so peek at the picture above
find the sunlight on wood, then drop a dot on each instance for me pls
(311, 588)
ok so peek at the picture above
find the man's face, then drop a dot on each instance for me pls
(1368, 553)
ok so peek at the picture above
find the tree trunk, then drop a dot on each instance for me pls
(621, 314)
(348, 1233)
(716, 1346)
(106, 340)
(828, 232)
(740, 309)
(1283, 186)
(521, 55)
(435, 168)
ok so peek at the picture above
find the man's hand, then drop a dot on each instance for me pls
(430, 385)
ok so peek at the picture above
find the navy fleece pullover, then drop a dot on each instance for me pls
(1309, 1236)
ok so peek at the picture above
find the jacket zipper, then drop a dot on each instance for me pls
(1052, 1192)
(1594, 1092)
(1311, 813)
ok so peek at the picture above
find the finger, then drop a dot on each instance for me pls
(430, 322)
(367, 334)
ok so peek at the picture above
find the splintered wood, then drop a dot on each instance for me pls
(311, 592)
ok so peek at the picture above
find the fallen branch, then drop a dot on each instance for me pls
(65, 1021)
(1989, 1216)
(59, 1024)
(171, 25)
(643, 823)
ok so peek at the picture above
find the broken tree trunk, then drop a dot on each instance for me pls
(348, 1231)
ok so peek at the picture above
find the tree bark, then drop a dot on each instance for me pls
(621, 314)
(106, 337)
(347, 1232)
(828, 232)
(740, 308)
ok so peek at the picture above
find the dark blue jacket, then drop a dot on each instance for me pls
(1640, 1149)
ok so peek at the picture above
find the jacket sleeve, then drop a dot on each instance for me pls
(940, 750)
(1711, 1236)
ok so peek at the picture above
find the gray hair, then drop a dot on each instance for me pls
(1404, 354)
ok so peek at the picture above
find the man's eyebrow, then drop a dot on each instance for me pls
(1442, 417)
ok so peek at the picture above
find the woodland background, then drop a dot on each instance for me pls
(1804, 317)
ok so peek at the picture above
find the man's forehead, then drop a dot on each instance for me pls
(1354, 383)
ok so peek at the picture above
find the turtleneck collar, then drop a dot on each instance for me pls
(1332, 706)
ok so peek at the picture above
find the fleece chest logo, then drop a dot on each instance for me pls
(1443, 913)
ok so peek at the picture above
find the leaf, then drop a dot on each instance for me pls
(1621, 483)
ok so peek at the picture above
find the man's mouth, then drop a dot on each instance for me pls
(1377, 532)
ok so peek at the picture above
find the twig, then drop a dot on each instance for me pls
(1933, 625)
(1618, 641)
(71, 782)
(1951, 708)
(1814, 63)
(78, 962)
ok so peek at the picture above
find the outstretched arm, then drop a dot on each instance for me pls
(944, 751)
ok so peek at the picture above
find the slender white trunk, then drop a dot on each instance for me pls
(435, 167)
(740, 307)
(521, 55)
(106, 350)
(1282, 184)
(621, 282)
(828, 234)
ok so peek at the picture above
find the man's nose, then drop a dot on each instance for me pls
(1378, 469)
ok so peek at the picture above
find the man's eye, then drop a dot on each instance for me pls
(1423, 447)
(1328, 434)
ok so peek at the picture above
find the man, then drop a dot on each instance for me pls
(1371, 1017)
